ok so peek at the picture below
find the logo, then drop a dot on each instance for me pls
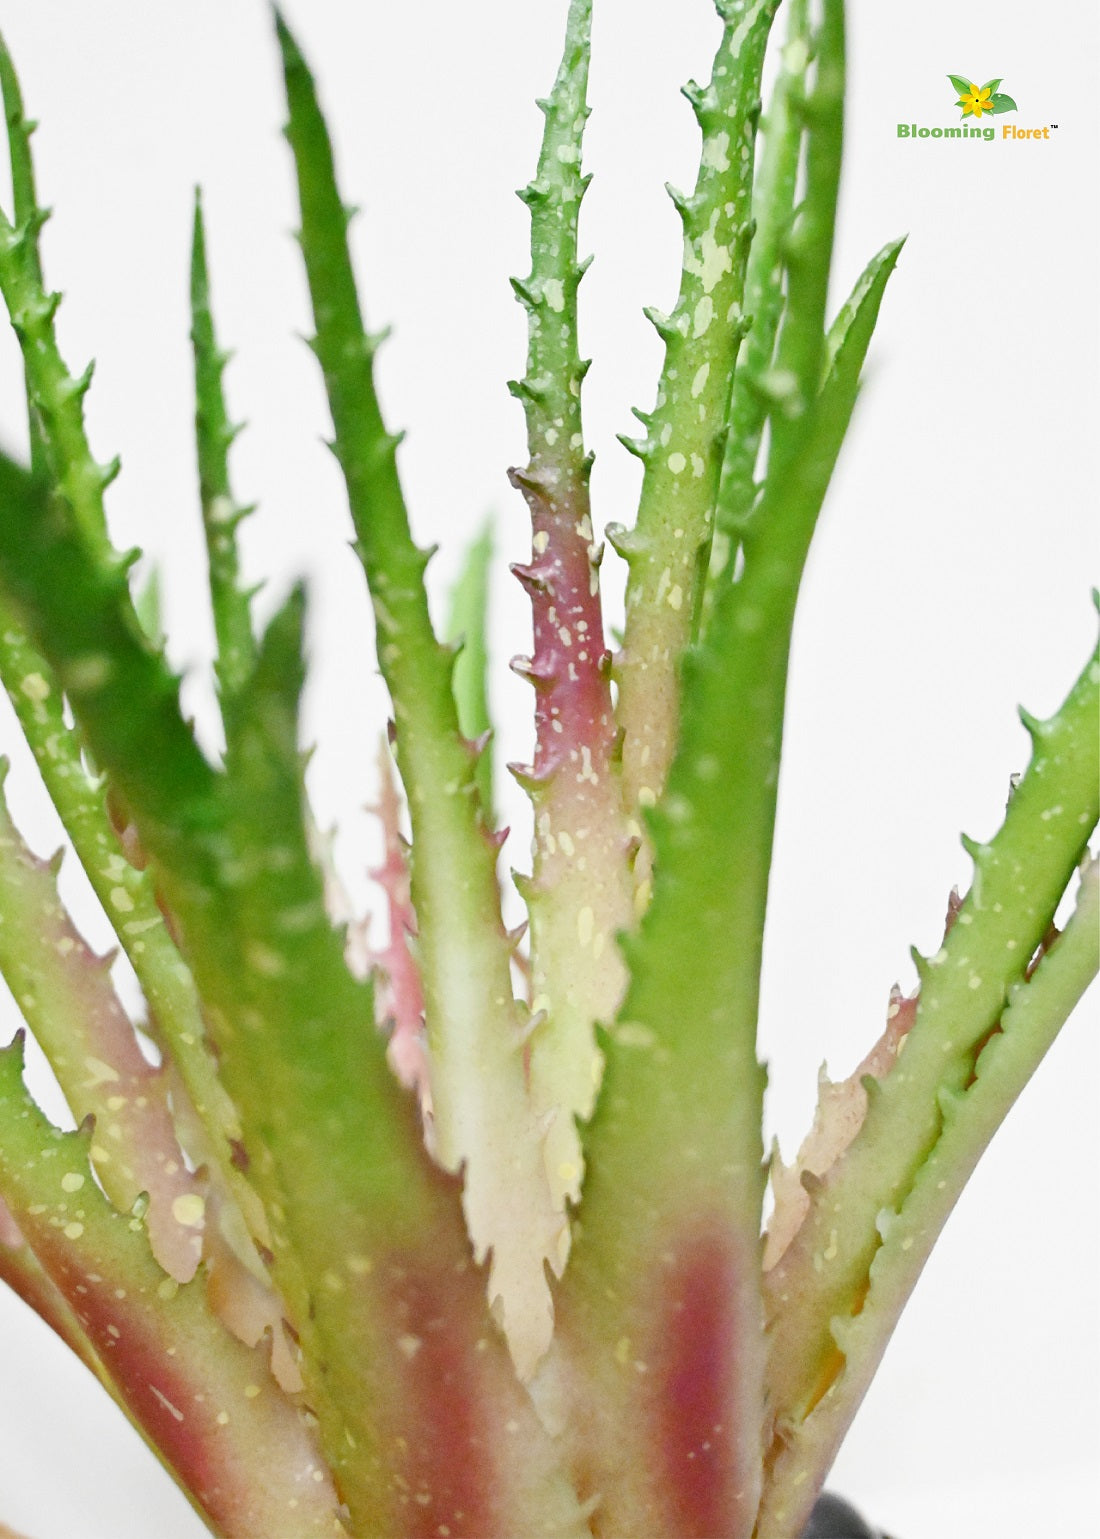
(976, 103)
(976, 100)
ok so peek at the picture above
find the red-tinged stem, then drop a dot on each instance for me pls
(657, 1416)
(21, 1271)
(693, 1372)
(208, 1406)
(447, 1472)
(579, 895)
(569, 670)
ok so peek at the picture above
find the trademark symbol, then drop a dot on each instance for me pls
(1054, 125)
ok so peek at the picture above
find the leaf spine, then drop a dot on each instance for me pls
(536, 674)
(663, 324)
(1036, 729)
(528, 778)
(534, 579)
(528, 296)
(627, 543)
(683, 202)
(639, 447)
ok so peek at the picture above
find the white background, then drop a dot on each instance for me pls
(949, 580)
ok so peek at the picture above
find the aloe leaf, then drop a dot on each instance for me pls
(862, 304)
(19, 129)
(808, 249)
(1034, 1014)
(668, 1334)
(25, 209)
(125, 893)
(579, 895)
(759, 607)
(310, 1077)
(59, 448)
(392, 1308)
(484, 1124)
(129, 898)
(77, 607)
(467, 629)
(207, 1405)
(59, 441)
(818, 1287)
(127, 703)
(221, 513)
(678, 1126)
(773, 213)
(841, 1108)
(669, 550)
(67, 999)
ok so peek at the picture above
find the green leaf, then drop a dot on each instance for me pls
(320, 1110)
(129, 899)
(1002, 103)
(854, 314)
(479, 1089)
(60, 454)
(809, 248)
(670, 553)
(551, 387)
(368, 1233)
(677, 1128)
(74, 597)
(58, 438)
(964, 990)
(991, 85)
(961, 83)
(331, 1141)
(221, 513)
(25, 212)
(467, 628)
(773, 212)
(1036, 1010)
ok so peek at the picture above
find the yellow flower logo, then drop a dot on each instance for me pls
(975, 100)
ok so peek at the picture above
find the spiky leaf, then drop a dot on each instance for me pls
(579, 894)
(822, 1275)
(484, 1124)
(686, 437)
(221, 513)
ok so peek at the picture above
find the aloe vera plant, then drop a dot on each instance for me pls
(465, 1235)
